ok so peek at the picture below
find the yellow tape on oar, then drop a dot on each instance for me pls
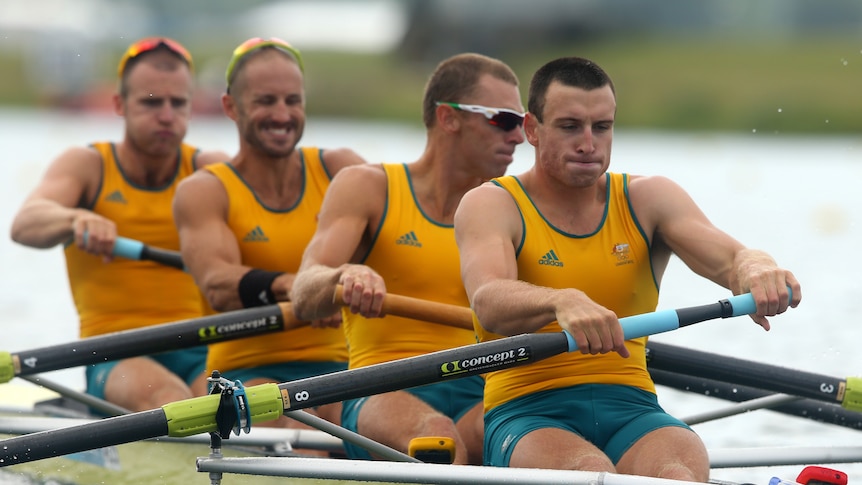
(7, 367)
(198, 415)
(853, 394)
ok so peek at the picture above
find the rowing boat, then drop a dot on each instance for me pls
(267, 402)
(265, 456)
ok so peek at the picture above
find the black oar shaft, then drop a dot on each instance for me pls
(49, 444)
(425, 369)
(163, 256)
(268, 401)
(805, 408)
(150, 340)
(745, 372)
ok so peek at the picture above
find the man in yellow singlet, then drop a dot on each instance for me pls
(126, 189)
(396, 219)
(569, 245)
(244, 223)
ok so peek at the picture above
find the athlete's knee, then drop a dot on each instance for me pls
(683, 471)
(439, 425)
(591, 462)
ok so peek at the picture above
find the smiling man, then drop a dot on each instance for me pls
(244, 224)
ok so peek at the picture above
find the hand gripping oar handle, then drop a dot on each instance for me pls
(268, 401)
(417, 309)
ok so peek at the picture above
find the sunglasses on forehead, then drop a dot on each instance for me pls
(505, 119)
(150, 44)
(257, 43)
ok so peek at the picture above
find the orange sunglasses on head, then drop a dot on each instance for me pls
(257, 43)
(152, 43)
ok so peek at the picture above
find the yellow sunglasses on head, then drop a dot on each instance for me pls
(151, 43)
(256, 43)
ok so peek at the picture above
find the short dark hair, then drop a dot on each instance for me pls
(570, 71)
(456, 77)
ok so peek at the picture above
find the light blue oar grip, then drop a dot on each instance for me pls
(649, 323)
(745, 305)
(641, 325)
(645, 324)
(128, 248)
(742, 304)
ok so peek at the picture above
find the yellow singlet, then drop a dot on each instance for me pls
(611, 265)
(416, 257)
(274, 240)
(127, 294)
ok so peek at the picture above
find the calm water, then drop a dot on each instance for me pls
(796, 197)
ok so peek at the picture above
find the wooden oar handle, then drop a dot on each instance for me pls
(417, 309)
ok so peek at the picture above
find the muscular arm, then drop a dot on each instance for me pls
(487, 229)
(354, 202)
(679, 224)
(208, 246)
(52, 214)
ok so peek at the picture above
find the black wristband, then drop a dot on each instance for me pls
(255, 288)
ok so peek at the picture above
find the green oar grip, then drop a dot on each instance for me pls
(7, 367)
(194, 416)
(853, 394)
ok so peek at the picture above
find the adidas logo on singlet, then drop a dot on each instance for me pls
(550, 259)
(116, 196)
(409, 239)
(255, 235)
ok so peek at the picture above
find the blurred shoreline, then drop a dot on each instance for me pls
(773, 66)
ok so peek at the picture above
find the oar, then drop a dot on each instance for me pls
(846, 392)
(194, 332)
(830, 413)
(132, 249)
(429, 311)
(105, 407)
(149, 340)
(267, 402)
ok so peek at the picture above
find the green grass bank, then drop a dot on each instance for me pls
(731, 84)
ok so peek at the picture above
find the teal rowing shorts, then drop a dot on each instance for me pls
(188, 364)
(285, 371)
(451, 398)
(612, 417)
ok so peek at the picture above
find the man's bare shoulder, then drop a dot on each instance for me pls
(200, 183)
(487, 191)
(365, 174)
(359, 188)
(83, 160)
(336, 159)
(651, 186)
(482, 200)
(210, 157)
